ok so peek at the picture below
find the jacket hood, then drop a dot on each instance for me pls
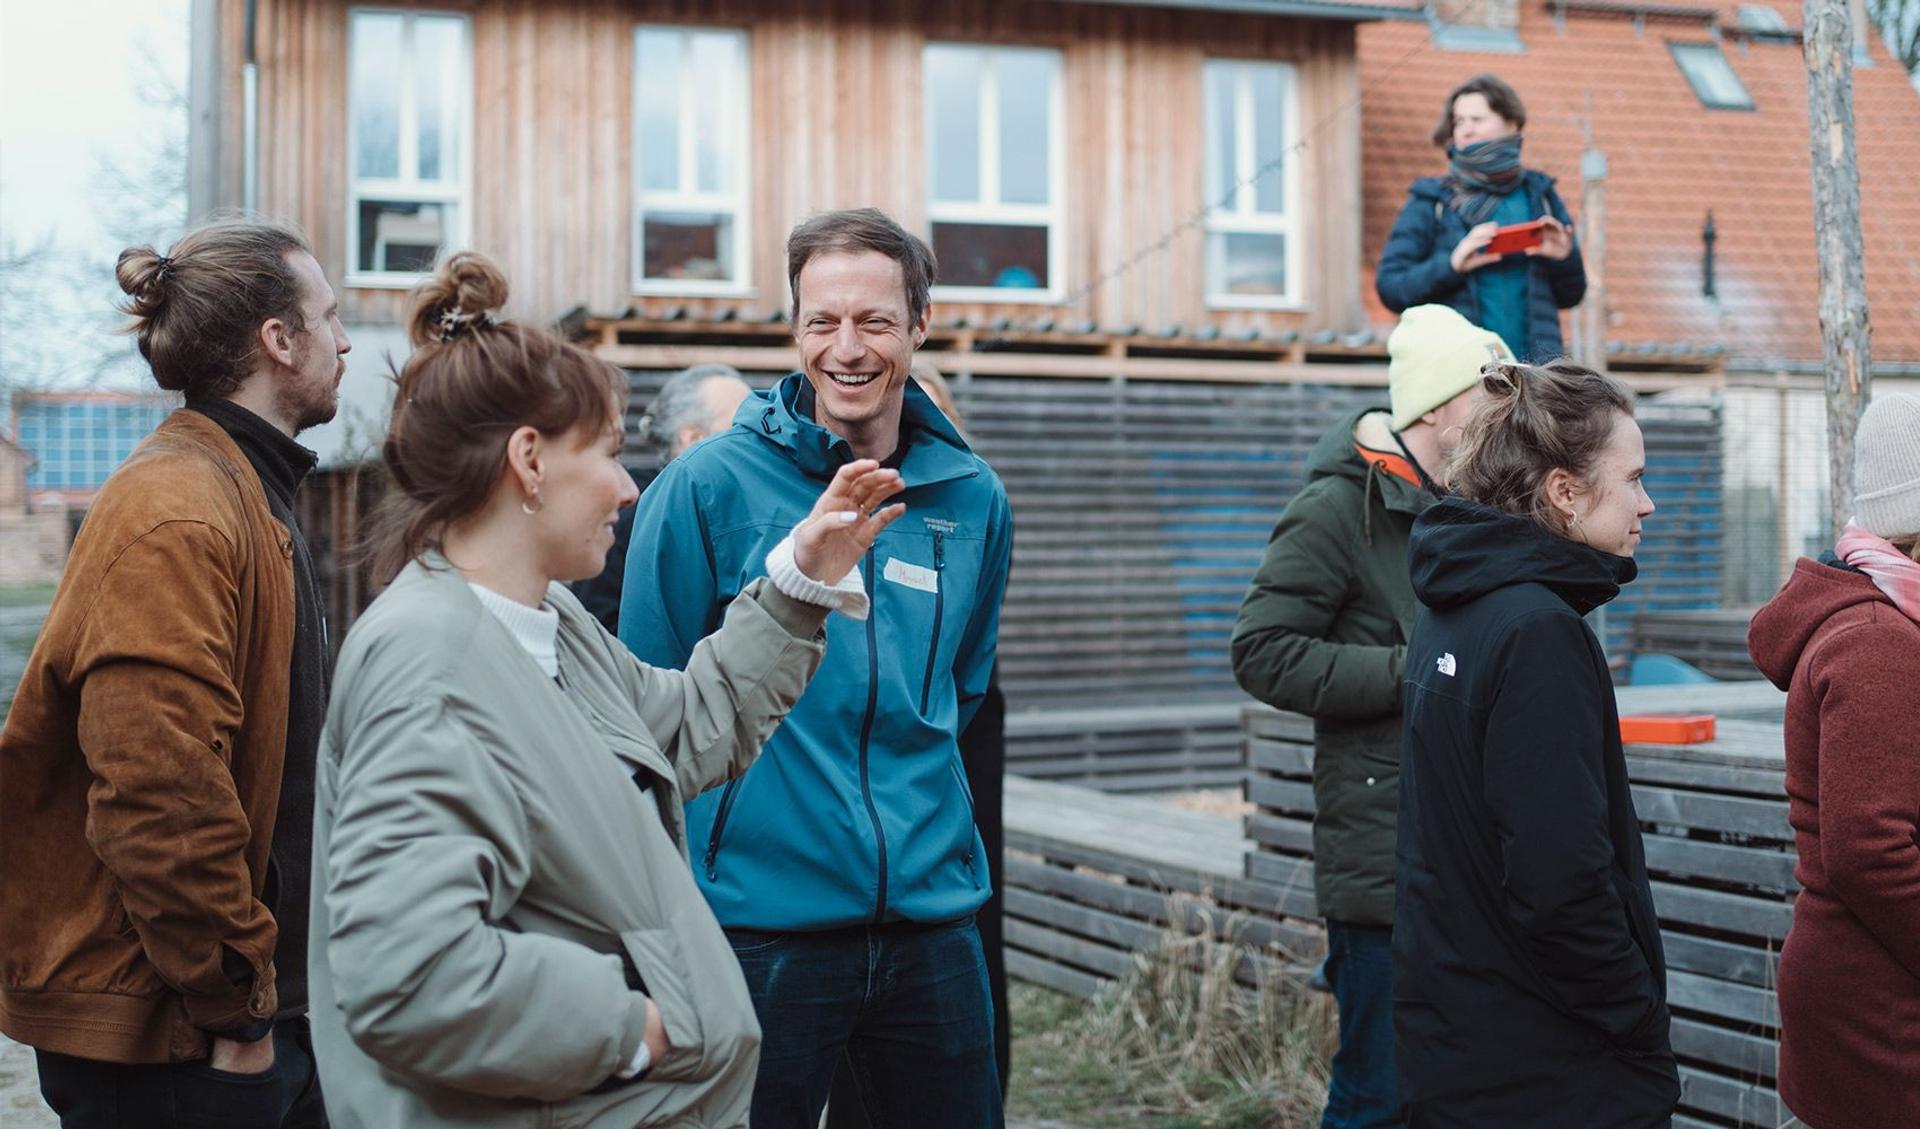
(1461, 551)
(1334, 456)
(783, 416)
(1815, 593)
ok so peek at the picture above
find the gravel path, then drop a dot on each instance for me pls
(20, 1104)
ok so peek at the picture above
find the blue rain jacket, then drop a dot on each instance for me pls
(858, 808)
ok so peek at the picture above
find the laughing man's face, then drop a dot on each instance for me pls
(856, 338)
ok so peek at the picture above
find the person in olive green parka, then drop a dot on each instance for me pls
(1323, 633)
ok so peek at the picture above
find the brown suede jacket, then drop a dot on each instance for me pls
(140, 765)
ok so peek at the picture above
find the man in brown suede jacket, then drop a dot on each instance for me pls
(156, 769)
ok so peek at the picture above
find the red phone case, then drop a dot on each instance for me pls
(1517, 237)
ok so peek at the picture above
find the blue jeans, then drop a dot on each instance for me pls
(1365, 1092)
(906, 1004)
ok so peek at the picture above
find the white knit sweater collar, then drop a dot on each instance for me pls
(537, 630)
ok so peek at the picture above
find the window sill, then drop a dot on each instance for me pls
(691, 288)
(385, 281)
(995, 295)
(1248, 302)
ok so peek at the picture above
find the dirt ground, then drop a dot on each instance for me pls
(20, 1104)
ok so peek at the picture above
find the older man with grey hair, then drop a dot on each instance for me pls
(690, 406)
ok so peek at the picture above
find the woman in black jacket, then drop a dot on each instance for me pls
(1437, 253)
(1529, 982)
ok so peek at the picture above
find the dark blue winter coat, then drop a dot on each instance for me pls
(1415, 268)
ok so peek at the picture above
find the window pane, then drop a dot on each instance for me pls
(953, 122)
(374, 73)
(1013, 256)
(695, 245)
(1221, 171)
(1026, 121)
(714, 69)
(1269, 138)
(399, 236)
(1246, 263)
(1711, 76)
(657, 108)
(437, 71)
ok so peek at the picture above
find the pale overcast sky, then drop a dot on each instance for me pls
(70, 78)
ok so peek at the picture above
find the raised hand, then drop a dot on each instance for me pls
(846, 519)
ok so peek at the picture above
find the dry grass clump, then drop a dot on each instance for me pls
(1199, 1033)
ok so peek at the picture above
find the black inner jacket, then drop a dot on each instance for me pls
(282, 465)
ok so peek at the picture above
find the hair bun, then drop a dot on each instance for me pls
(1503, 379)
(140, 272)
(467, 289)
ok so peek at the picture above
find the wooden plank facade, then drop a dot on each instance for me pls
(835, 120)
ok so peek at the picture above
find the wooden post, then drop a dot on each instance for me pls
(1845, 337)
(1590, 323)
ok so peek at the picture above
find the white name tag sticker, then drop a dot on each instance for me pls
(911, 575)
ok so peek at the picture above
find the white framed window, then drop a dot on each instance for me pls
(1253, 241)
(409, 142)
(690, 115)
(995, 171)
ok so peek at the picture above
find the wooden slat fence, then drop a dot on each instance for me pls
(1153, 748)
(1092, 879)
(1714, 640)
(1720, 852)
(1142, 508)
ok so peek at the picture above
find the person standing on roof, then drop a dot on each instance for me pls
(1436, 251)
(1323, 632)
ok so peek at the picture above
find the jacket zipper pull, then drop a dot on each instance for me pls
(939, 551)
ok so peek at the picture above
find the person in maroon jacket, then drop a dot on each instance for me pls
(1843, 639)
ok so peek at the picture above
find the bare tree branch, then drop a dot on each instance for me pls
(1899, 23)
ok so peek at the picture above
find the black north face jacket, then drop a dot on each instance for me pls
(1529, 981)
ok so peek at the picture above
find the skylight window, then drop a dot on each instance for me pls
(1760, 20)
(1711, 76)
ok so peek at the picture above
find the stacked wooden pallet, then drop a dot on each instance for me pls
(1131, 748)
(1714, 640)
(1719, 849)
(1093, 879)
(1721, 854)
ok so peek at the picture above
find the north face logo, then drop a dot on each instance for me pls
(1445, 664)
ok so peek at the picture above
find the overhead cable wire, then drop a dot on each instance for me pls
(1199, 216)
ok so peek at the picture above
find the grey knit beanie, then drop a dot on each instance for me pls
(1886, 467)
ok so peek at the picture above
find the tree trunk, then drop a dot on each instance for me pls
(1844, 332)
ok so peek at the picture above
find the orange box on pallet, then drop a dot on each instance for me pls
(1666, 728)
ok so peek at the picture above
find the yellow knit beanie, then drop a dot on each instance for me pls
(1434, 355)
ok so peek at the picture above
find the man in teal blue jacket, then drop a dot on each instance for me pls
(845, 864)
